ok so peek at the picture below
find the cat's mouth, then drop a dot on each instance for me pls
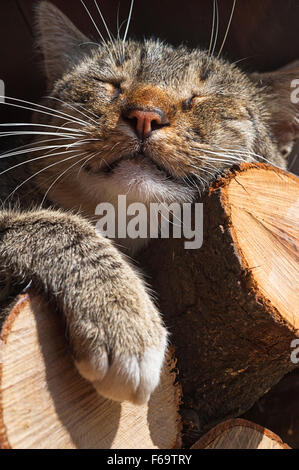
(141, 178)
(138, 158)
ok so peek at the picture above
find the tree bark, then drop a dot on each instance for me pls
(232, 305)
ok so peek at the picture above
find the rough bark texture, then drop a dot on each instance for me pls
(232, 344)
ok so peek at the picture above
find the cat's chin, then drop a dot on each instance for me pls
(142, 181)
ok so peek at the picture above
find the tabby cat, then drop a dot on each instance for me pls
(142, 119)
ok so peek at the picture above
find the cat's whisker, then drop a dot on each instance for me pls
(66, 123)
(213, 159)
(241, 60)
(34, 159)
(227, 29)
(241, 152)
(117, 22)
(202, 181)
(120, 28)
(93, 22)
(217, 28)
(213, 26)
(191, 184)
(71, 107)
(37, 149)
(57, 148)
(36, 174)
(209, 163)
(15, 133)
(202, 169)
(237, 151)
(25, 124)
(129, 21)
(227, 158)
(73, 119)
(25, 146)
(62, 174)
(226, 155)
(104, 42)
(213, 174)
(110, 35)
(89, 139)
(127, 29)
(84, 109)
(250, 154)
(112, 38)
(61, 115)
(88, 159)
(235, 157)
(89, 42)
(213, 167)
(168, 220)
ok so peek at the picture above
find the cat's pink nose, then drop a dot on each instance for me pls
(145, 122)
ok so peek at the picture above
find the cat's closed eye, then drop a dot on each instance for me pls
(225, 107)
(112, 88)
(193, 100)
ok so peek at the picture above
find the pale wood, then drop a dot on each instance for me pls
(264, 211)
(240, 434)
(45, 404)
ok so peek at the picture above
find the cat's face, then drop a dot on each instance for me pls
(157, 123)
(153, 113)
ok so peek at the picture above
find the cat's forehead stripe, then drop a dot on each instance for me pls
(156, 63)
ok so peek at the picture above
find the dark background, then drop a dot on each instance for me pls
(263, 36)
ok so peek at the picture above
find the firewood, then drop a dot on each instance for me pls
(232, 305)
(240, 434)
(45, 404)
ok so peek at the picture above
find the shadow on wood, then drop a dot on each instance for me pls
(46, 404)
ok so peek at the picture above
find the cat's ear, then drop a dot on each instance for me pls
(59, 40)
(282, 94)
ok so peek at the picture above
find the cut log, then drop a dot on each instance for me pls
(240, 434)
(45, 404)
(232, 305)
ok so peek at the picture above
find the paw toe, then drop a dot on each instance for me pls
(128, 378)
(95, 368)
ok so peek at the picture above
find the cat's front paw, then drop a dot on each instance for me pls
(128, 376)
(127, 351)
